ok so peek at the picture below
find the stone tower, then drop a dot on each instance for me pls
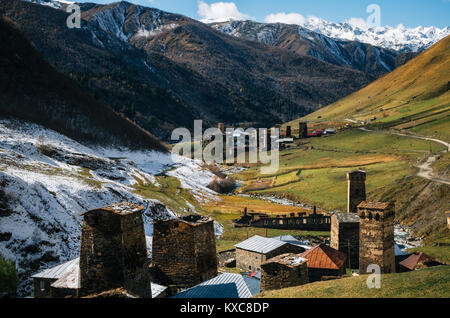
(345, 236)
(283, 271)
(376, 236)
(288, 132)
(114, 251)
(184, 251)
(356, 192)
(302, 130)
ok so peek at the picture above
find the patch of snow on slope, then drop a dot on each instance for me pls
(48, 180)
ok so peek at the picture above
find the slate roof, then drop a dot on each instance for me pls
(347, 217)
(324, 257)
(374, 205)
(226, 285)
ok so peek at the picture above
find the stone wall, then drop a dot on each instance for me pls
(316, 274)
(345, 238)
(275, 274)
(376, 245)
(224, 256)
(251, 261)
(42, 287)
(184, 252)
(317, 222)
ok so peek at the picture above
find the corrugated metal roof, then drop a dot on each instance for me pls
(260, 244)
(71, 278)
(292, 240)
(58, 271)
(227, 285)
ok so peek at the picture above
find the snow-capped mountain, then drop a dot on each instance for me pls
(399, 38)
(364, 57)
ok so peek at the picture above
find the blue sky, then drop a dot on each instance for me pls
(410, 13)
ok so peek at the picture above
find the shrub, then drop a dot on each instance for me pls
(8, 276)
(222, 186)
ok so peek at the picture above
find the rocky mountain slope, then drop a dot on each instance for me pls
(370, 59)
(163, 70)
(42, 95)
(48, 180)
(63, 153)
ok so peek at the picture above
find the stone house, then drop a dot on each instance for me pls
(324, 261)
(283, 271)
(257, 249)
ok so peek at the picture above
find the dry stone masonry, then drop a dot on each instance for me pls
(376, 238)
(283, 271)
(113, 250)
(184, 251)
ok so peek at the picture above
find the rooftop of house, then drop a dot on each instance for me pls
(324, 257)
(288, 259)
(264, 245)
(414, 259)
(375, 205)
(121, 208)
(347, 217)
(67, 276)
(226, 285)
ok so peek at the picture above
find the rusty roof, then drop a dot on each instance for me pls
(374, 205)
(324, 257)
(414, 259)
(121, 208)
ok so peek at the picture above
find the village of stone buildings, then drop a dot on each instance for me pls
(115, 261)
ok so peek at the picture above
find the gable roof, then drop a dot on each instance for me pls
(413, 260)
(58, 271)
(260, 244)
(324, 257)
(226, 285)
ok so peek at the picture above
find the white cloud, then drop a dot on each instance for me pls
(287, 18)
(359, 23)
(220, 12)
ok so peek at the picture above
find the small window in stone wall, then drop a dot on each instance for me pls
(42, 285)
